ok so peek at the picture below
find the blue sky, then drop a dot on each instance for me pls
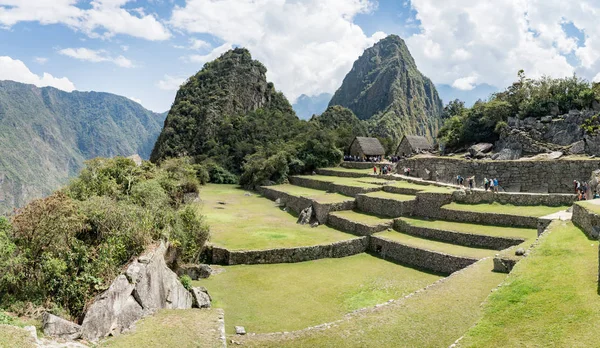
(143, 49)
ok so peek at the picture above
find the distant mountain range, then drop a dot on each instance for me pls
(46, 134)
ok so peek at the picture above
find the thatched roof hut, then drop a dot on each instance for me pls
(365, 147)
(412, 144)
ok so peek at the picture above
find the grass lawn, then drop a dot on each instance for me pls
(285, 297)
(432, 318)
(428, 188)
(172, 328)
(358, 182)
(14, 337)
(388, 195)
(318, 195)
(362, 217)
(254, 223)
(433, 245)
(594, 208)
(535, 211)
(488, 230)
(368, 171)
(549, 300)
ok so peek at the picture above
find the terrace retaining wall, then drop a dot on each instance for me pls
(461, 238)
(343, 174)
(420, 258)
(514, 198)
(384, 206)
(553, 176)
(488, 218)
(586, 220)
(222, 256)
(359, 165)
(356, 228)
(402, 190)
(311, 183)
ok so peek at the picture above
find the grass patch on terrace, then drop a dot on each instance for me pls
(285, 297)
(422, 187)
(361, 217)
(172, 328)
(318, 195)
(442, 247)
(550, 299)
(388, 195)
(432, 318)
(14, 337)
(488, 230)
(368, 171)
(253, 222)
(509, 209)
(356, 182)
(590, 205)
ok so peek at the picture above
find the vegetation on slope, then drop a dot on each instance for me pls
(386, 88)
(46, 135)
(524, 98)
(59, 252)
(229, 118)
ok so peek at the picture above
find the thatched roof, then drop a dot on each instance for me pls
(369, 146)
(418, 142)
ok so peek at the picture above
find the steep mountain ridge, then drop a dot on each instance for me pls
(386, 89)
(46, 134)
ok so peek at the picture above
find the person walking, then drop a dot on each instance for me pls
(471, 182)
(496, 185)
(462, 180)
(375, 170)
(486, 184)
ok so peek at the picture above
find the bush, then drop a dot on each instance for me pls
(186, 281)
(190, 233)
(220, 175)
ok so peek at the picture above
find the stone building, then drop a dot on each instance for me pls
(413, 144)
(366, 147)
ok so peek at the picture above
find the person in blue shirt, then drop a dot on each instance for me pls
(495, 185)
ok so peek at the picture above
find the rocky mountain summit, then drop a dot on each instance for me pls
(386, 88)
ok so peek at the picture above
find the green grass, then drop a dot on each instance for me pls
(172, 328)
(368, 171)
(285, 297)
(14, 337)
(356, 182)
(361, 217)
(427, 188)
(535, 211)
(488, 230)
(432, 318)
(594, 208)
(388, 195)
(318, 195)
(549, 300)
(433, 245)
(254, 222)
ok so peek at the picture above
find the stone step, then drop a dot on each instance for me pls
(386, 204)
(425, 253)
(323, 197)
(358, 223)
(494, 217)
(466, 234)
(346, 186)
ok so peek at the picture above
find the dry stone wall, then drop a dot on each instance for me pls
(357, 165)
(514, 176)
(344, 248)
(488, 218)
(588, 221)
(342, 174)
(355, 227)
(460, 238)
(514, 198)
(420, 258)
(384, 206)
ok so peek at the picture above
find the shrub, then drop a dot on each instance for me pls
(220, 175)
(186, 281)
(190, 233)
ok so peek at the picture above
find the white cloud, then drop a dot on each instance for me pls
(466, 83)
(105, 18)
(40, 60)
(214, 54)
(16, 70)
(196, 44)
(307, 46)
(96, 56)
(492, 40)
(125, 48)
(170, 83)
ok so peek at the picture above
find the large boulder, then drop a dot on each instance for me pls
(305, 216)
(54, 326)
(480, 148)
(201, 298)
(195, 271)
(577, 148)
(507, 154)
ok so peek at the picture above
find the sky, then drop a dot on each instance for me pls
(144, 49)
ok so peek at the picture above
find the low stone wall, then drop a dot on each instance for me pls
(553, 176)
(420, 258)
(428, 204)
(353, 191)
(358, 165)
(356, 228)
(588, 221)
(384, 206)
(488, 218)
(340, 173)
(340, 249)
(466, 239)
(297, 204)
(310, 183)
(401, 190)
(475, 197)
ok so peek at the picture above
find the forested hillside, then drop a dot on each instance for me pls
(46, 134)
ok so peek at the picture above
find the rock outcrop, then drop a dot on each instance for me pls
(195, 271)
(58, 327)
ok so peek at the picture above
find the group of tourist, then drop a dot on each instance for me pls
(350, 158)
(383, 170)
(581, 189)
(488, 184)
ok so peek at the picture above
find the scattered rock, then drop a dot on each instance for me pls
(481, 148)
(555, 155)
(520, 252)
(240, 330)
(32, 331)
(58, 327)
(248, 194)
(316, 224)
(201, 298)
(195, 271)
(305, 216)
(222, 203)
(577, 148)
(507, 154)
(546, 119)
